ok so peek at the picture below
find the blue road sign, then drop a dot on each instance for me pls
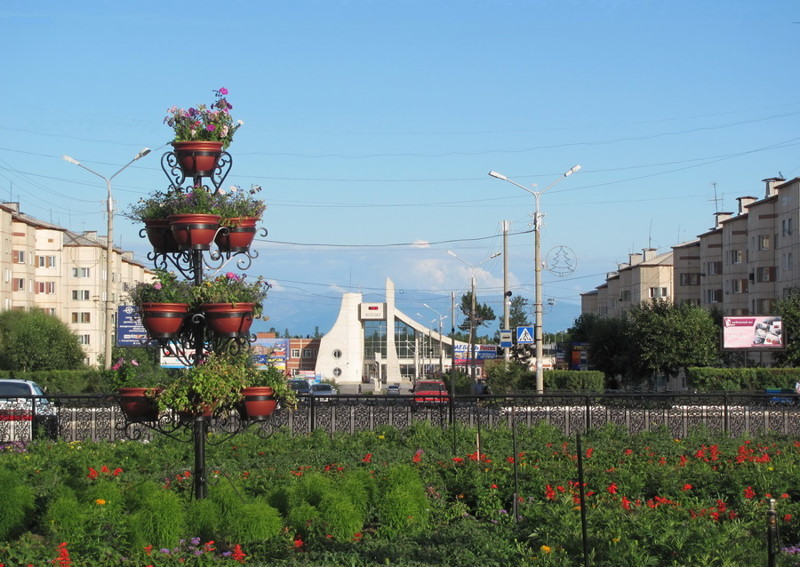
(525, 335)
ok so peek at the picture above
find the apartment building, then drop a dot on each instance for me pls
(646, 275)
(63, 273)
(740, 266)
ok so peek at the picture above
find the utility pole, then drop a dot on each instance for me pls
(506, 323)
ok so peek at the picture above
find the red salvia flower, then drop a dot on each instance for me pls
(238, 554)
(749, 493)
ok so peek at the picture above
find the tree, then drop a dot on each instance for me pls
(667, 337)
(517, 312)
(789, 310)
(609, 343)
(33, 340)
(483, 313)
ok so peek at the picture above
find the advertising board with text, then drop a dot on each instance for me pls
(752, 333)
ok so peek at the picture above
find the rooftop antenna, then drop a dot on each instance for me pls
(715, 199)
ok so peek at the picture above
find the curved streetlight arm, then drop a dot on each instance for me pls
(109, 330)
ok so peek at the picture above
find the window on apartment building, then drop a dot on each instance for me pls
(625, 295)
(689, 278)
(713, 268)
(81, 272)
(18, 256)
(80, 295)
(81, 317)
(18, 284)
(50, 311)
(306, 353)
(737, 256)
(84, 339)
(786, 226)
(788, 261)
(765, 274)
(7, 275)
(295, 353)
(691, 301)
(46, 261)
(46, 287)
(713, 296)
(762, 306)
(658, 292)
(738, 285)
(762, 242)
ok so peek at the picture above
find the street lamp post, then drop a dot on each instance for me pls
(441, 351)
(472, 311)
(537, 268)
(109, 330)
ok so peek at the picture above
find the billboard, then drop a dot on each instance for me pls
(752, 333)
(272, 352)
(130, 331)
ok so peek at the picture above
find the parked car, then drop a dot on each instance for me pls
(430, 393)
(393, 389)
(25, 412)
(300, 386)
(323, 392)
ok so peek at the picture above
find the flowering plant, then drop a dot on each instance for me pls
(198, 200)
(232, 288)
(166, 288)
(204, 123)
(159, 205)
(240, 203)
(131, 374)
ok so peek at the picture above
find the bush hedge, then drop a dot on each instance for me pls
(732, 379)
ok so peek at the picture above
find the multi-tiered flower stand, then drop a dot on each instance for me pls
(190, 246)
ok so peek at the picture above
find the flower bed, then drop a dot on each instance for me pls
(413, 497)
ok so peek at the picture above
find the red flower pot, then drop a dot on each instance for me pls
(228, 319)
(138, 404)
(163, 320)
(160, 235)
(237, 235)
(194, 231)
(259, 402)
(197, 159)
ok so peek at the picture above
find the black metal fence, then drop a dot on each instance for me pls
(98, 417)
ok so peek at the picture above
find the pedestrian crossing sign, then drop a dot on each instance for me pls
(525, 335)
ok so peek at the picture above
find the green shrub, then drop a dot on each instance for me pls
(244, 519)
(157, 517)
(64, 517)
(204, 518)
(17, 503)
(402, 505)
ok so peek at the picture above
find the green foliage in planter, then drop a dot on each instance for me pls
(18, 502)
(165, 288)
(238, 203)
(215, 383)
(233, 289)
(159, 516)
(402, 504)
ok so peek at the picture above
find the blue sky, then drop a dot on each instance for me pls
(372, 125)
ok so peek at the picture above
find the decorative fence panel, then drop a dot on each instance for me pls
(98, 417)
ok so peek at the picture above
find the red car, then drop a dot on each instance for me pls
(431, 392)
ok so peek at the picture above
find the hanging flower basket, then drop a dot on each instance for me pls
(198, 158)
(163, 320)
(160, 236)
(138, 404)
(258, 402)
(237, 234)
(228, 319)
(194, 231)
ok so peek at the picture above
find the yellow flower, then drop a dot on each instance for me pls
(546, 549)
(770, 469)
(615, 539)
(100, 502)
(381, 437)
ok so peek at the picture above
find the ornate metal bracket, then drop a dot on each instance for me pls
(172, 169)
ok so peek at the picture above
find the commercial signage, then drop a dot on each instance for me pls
(752, 333)
(271, 352)
(505, 339)
(372, 311)
(130, 331)
(482, 352)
